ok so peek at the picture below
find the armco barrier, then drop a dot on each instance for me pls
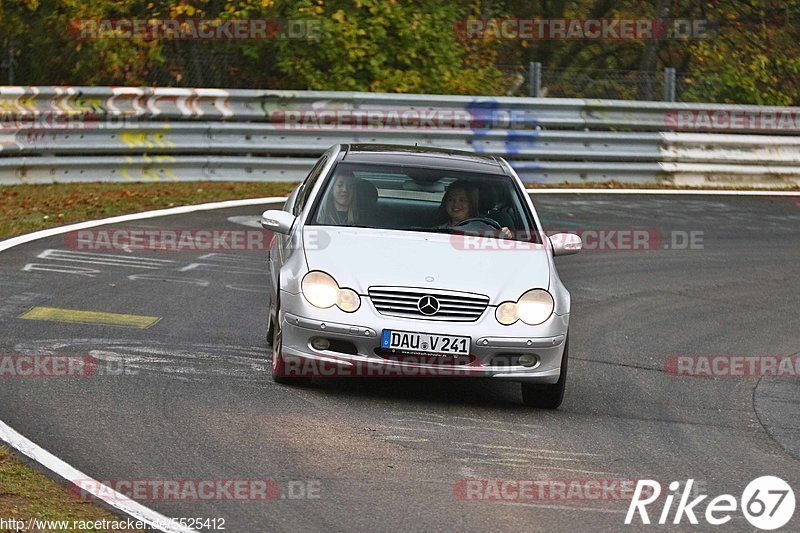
(123, 133)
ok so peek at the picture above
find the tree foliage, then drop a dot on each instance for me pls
(755, 58)
(407, 46)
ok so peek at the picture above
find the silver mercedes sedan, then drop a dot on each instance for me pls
(398, 261)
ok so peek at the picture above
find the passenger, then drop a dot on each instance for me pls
(340, 206)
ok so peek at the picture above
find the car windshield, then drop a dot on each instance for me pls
(423, 199)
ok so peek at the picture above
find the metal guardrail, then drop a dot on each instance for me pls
(122, 133)
(481, 112)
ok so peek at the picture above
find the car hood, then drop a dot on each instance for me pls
(360, 258)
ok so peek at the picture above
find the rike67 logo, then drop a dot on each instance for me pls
(767, 503)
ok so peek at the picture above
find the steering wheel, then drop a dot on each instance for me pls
(480, 220)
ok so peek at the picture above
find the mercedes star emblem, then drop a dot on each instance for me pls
(428, 305)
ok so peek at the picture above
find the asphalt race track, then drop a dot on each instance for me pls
(195, 400)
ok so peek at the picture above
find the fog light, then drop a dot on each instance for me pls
(528, 359)
(318, 343)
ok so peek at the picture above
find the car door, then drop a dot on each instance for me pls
(282, 247)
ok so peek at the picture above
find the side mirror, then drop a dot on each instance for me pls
(565, 243)
(277, 221)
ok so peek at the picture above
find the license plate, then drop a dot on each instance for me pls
(408, 341)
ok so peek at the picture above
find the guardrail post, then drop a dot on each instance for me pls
(535, 78)
(8, 63)
(669, 84)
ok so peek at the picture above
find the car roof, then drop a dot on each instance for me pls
(421, 156)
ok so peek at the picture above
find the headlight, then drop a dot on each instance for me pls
(533, 307)
(506, 313)
(322, 291)
(348, 300)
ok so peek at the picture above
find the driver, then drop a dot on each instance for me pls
(460, 203)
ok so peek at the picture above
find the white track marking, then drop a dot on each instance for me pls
(404, 438)
(259, 289)
(534, 450)
(711, 192)
(454, 426)
(239, 259)
(467, 472)
(28, 237)
(54, 254)
(516, 463)
(51, 462)
(565, 507)
(157, 277)
(221, 256)
(63, 269)
(205, 267)
(113, 498)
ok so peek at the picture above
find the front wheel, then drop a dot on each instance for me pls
(270, 326)
(548, 396)
(278, 364)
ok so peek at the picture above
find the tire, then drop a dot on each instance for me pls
(548, 396)
(270, 325)
(278, 365)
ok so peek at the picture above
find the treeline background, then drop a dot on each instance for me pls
(413, 46)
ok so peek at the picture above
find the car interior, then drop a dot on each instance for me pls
(411, 200)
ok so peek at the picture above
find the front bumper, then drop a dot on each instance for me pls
(355, 340)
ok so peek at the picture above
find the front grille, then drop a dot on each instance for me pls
(404, 302)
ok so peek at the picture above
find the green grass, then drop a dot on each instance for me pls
(26, 493)
(27, 208)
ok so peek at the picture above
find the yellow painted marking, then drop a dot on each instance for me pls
(150, 173)
(171, 175)
(28, 102)
(162, 141)
(89, 104)
(100, 318)
(124, 170)
(135, 139)
(126, 138)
